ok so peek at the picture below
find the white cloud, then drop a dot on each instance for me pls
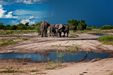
(2, 11)
(24, 21)
(4, 15)
(31, 17)
(21, 1)
(10, 15)
(23, 13)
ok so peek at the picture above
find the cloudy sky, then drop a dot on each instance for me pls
(15, 11)
(95, 12)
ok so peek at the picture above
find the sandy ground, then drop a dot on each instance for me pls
(26, 67)
(102, 67)
(86, 42)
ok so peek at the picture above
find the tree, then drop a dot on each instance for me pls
(14, 27)
(37, 26)
(2, 26)
(82, 25)
(22, 26)
(73, 24)
(8, 27)
(107, 27)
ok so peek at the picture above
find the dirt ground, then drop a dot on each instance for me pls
(85, 42)
(99, 67)
(102, 67)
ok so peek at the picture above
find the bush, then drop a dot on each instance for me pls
(106, 39)
(107, 27)
(89, 28)
(7, 42)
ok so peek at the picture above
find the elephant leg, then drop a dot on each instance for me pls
(50, 34)
(45, 33)
(67, 34)
(64, 34)
(42, 34)
(59, 34)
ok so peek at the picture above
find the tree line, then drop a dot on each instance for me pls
(73, 24)
(19, 26)
(77, 24)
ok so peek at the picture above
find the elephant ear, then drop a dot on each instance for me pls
(46, 23)
(42, 24)
(60, 26)
(57, 26)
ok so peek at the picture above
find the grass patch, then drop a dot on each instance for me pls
(10, 70)
(52, 65)
(6, 42)
(74, 48)
(33, 70)
(106, 39)
(10, 32)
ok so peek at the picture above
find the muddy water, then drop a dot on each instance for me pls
(56, 56)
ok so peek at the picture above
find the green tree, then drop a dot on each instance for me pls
(82, 25)
(107, 27)
(14, 27)
(2, 26)
(8, 27)
(37, 26)
(73, 24)
(22, 26)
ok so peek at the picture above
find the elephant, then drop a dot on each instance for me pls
(52, 30)
(44, 28)
(62, 29)
(66, 31)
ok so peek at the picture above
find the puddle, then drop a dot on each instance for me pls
(98, 34)
(56, 56)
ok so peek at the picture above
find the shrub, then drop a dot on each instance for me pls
(107, 27)
(89, 28)
(106, 39)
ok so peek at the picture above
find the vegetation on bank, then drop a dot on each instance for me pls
(20, 26)
(10, 70)
(76, 27)
(9, 32)
(6, 42)
(73, 25)
(108, 39)
(107, 27)
(77, 24)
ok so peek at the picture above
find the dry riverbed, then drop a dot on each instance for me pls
(22, 67)
(85, 42)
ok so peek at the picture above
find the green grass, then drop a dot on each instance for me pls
(108, 39)
(6, 42)
(9, 32)
(10, 70)
(99, 31)
(74, 48)
(52, 65)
